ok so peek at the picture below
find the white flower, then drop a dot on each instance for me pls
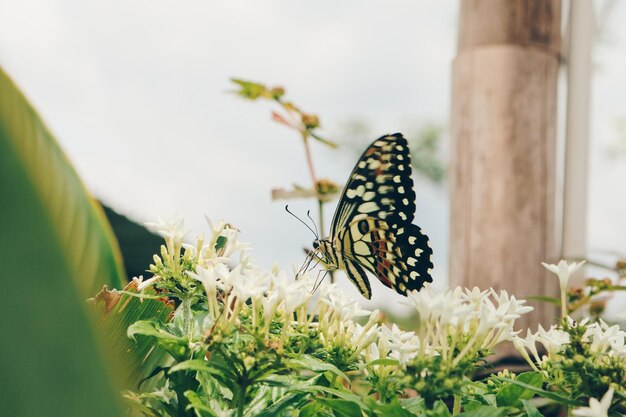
(228, 238)
(210, 277)
(344, 307)
(403, 345)
(172, 228)
(603, 338)
(553, 339)
(563, 270)
(596, 408)
(365, 336)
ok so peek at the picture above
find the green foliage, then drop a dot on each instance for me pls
(55, 249)
(425, 153)
(245, 342)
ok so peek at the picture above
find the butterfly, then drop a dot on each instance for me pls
(372, 229)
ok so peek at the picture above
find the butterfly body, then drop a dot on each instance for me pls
(372, 227)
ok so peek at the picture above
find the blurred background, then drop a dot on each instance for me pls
(138, 95)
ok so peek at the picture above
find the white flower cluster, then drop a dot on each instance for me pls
(451, 323)
(456, 322)
(267, 293)
(608, 341)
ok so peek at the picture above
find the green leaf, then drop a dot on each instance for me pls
(251, 90)
(392, 410)
(192, 365)
(56, 249)
(530, 409)
(291, 400)
(342, 408)
(546, 394)
(278, 381)
(176, 346)
(440, 409)
(414, 404)
(221, 373)
(151, 328)
(138, 357)
(512, 395)
(197, 404)
(346, 395)
(314, 409)
(313, 364)
(384, 362)
(487, 411)
(43, 179)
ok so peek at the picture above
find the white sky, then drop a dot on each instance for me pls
(135, 92)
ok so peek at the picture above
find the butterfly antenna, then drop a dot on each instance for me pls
(301, 221)
(308, 214)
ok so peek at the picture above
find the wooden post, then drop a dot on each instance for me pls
(502, 177)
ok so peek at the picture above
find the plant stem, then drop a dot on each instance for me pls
(309, 159)
(456, 408)
(241, 399)
(563, 304)
(320, 205)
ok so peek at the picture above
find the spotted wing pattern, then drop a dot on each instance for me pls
(372, 228)
(379, 186)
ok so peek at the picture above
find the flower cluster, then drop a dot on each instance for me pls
(458, 322)
(583, 359)
(246, 341)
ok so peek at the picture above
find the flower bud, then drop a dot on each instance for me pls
(277, 92)
(249, 361)
(310, 121)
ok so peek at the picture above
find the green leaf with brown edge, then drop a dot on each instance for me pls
(138, 356)
(56, 249)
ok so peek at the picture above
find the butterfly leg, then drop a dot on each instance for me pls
(318, 281)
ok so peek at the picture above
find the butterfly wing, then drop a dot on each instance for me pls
(357, 275)
(379, 186)
(373, 226)
(400, 262)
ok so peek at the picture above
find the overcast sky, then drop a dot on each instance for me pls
(136, 93)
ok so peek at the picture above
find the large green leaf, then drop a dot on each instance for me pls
(79, 226)
(55, 248)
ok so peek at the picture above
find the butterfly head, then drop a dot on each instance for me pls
(323, 247)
